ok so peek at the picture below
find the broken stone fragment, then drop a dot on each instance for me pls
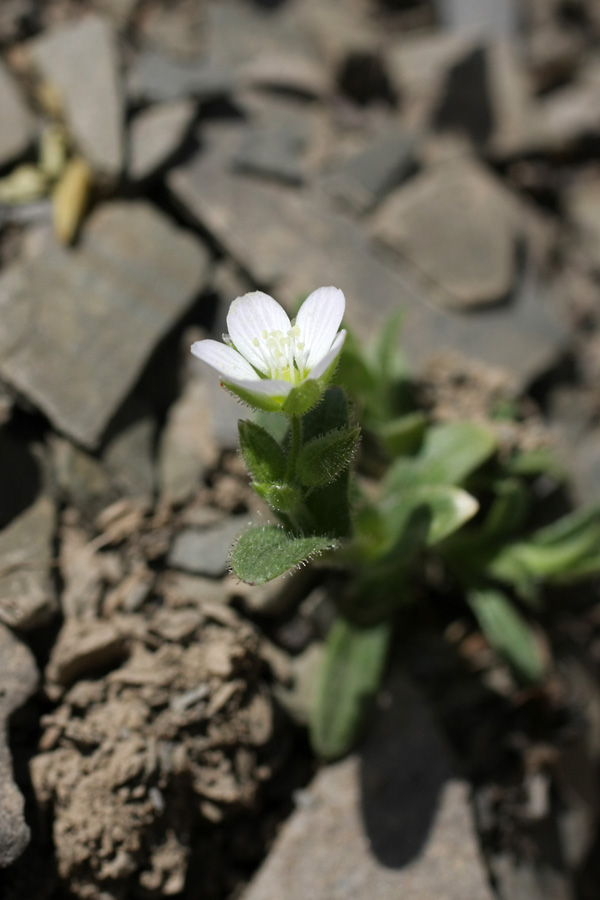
(392, 820)
(455, 225)
(18, 676)
(156, 134)
(82, 648)
(78, 326)
(27, 597)
(16, 132)
(187, 447)
(363, 179)
(205, 551)
(80, 60)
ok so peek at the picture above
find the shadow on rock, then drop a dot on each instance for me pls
(404, 767)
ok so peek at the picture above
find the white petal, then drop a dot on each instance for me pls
(226, 360)
(318, 319)
(268, 386)
(327, 360)
(249, 318)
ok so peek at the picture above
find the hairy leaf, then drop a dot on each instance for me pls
(262, 454)
(264, 552)
(321, 460)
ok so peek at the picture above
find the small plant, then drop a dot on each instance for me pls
(442, 491)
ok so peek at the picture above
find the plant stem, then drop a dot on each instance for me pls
(295, 442)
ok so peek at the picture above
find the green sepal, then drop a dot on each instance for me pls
(302, 398)
(264, 552)
(508, 632)
(262, 454)
(348, 680)
(264, 402)
(322, 459)
(280, 496)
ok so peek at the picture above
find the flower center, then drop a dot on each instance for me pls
(283, 354)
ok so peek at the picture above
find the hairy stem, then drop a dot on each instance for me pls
(295, 442)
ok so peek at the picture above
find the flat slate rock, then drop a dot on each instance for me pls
(289, 240)
(80, 59)
(19, 677)
(27, 596)
(76, 327)
(17, 124)
(158, 79)
(363, 179)
(390, 821)
(156, 134)
(455, 224)
(205, 551)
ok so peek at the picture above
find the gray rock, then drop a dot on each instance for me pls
(27, 597)
(18, 675)
(81, 478)
(156, 134)
(120, 11)
(205, 551)
(129, 452)
(80, 59)
(290, 241)
(455, 225)
(583, 208)
(240, 33)
(361, 181)
(273, 153)
(17, 124)
(187, 447)
(158, 79)
(390, 821)
(77, 326)
(178, 29)
(487, 16)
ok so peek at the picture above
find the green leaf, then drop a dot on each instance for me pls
(449, 454)
(265, 402)
(348, 680)
(331, 413)
(385, 355)
(276, 423)
(508, 632)
(262, 454)
(567, 550)
(264, 552)
(321, 460)
(424, 516)
(402, 435)
(280, 497)
(536, 462)
(509, 510)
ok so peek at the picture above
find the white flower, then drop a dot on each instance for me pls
(266, 356)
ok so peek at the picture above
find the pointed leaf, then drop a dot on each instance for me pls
(348, 680)
(449, 454)
(331, 413)
(321, 460)
(262, 454)
(402, 435)
(508, 632)
(264, 552)
(424, 516)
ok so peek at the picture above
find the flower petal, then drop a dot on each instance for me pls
(226, 360)
(329, 358)
(318, 320)
(251, 317)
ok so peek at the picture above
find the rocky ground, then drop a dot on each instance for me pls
(158, 159)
